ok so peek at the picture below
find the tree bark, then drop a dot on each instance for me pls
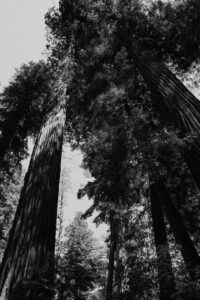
(165, 271)
(175, 102)
(27, 270)
(112, 251)
(189, 253)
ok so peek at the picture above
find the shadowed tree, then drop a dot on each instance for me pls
(112, 254)
(170, 112)
(175, 102)
(180, 106)
(164, 264)
(189, 253)
(27, 270)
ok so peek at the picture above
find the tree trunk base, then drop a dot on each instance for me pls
(32, 290)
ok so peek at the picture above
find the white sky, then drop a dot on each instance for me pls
(22, 33)
(76, 178)
(22, 39)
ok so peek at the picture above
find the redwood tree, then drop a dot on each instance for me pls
(27, 270)
(175, 102)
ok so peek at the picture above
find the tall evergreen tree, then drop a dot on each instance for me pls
(81, 267)
(175, 102)
(28, 263)
(94, 78)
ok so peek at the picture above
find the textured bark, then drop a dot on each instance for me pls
(113, 248)
(27, 270)
(174, 100)
(189, 253)
(165, 271)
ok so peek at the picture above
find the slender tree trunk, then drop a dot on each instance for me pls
(174, 100)
(113, 248)
(60, 215)
(119, 275)
(165, 271)
(189, 253)
(27, 270)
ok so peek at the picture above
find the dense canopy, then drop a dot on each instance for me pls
(112, 87)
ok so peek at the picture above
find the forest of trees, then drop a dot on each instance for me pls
(112, 88)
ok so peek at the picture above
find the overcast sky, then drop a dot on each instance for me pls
(22, 33)
(22, 39)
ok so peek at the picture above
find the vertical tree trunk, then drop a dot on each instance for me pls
(112, 251)
(189, 253)
(165, 271)
(119, 274)
(60, 215)
(174, 100)
(27, 269)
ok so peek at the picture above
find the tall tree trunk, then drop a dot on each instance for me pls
(165, 271)
(27, 269)
(189, 253)
(112, 251)
(174, 100)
